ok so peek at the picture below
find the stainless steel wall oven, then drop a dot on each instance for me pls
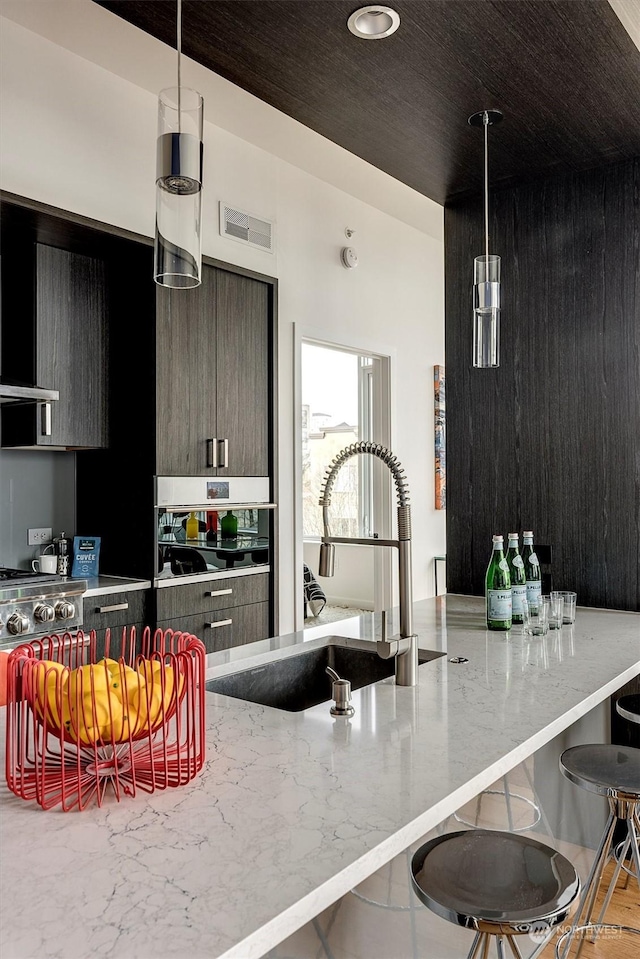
(206, 526)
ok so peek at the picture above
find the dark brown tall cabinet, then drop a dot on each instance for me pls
(214, 408)
(212, 390)
(54, 336)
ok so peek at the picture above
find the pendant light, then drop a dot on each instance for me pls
(178, 252)
(486, 280)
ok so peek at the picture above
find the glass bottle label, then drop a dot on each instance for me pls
(499, 604)
(503, 565)
(533, 559)
(518, 561)
(534, 591)
(518, 594)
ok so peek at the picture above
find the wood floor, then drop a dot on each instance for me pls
(624, 910)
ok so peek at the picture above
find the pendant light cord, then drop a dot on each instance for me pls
(485, 121)
(179, 49)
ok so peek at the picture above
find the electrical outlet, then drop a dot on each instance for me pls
(37, 537)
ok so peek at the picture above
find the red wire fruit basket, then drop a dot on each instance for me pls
(78, 727)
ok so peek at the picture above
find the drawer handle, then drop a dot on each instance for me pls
(111, 609)
(221, 622)
(219, 592)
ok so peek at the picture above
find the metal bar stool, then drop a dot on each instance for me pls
(500, 884)
(612, 771)
(510, 797)
(629, 708)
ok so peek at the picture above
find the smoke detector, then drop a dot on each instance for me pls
(349, 257)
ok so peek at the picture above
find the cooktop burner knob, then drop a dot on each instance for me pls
(44, 613)
(65, 610)
(17, 623)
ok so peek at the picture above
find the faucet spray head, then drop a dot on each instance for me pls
(327, 559)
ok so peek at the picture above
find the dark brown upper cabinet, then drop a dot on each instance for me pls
(54, 309)
(212, 387)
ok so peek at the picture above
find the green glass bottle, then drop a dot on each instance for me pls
(498, 589)
(229, 525)
(531, 568)
(518, 578)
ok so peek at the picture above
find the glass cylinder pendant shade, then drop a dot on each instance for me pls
(486, 312)
(178, 247)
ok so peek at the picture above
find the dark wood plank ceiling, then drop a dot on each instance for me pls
(565, 73)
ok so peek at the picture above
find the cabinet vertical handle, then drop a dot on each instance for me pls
(225, 452)
(212, 453)
(45, 419)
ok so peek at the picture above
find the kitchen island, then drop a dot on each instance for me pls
(292, 810)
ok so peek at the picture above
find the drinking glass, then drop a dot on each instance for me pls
(536, 616)
(569, 605)
(556, 609)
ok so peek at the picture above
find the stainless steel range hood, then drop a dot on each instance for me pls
(27, 394)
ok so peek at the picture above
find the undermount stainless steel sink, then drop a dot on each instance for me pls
(300, 681)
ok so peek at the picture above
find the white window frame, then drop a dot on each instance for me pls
(384, 356)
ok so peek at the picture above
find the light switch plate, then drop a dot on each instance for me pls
(36, 537)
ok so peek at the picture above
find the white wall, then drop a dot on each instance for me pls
(353, 583)
(82, 138)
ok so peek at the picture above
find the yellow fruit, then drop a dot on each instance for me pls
(87, 680)
(123, 679)
(157, 673)
(51, 686)
(145, 705)
(88, 719)
(98, 717)
(118, 728)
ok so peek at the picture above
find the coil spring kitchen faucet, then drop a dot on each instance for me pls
(404, 647)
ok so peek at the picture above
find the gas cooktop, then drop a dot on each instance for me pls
(33, 604)
(26, 576)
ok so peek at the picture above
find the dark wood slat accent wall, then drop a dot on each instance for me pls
(551, 440)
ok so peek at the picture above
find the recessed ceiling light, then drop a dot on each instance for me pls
(373, 22)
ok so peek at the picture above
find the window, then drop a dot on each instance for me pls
(337, 410)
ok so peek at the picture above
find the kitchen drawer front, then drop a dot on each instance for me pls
(192, 598)
(238, 625)
(115, 609)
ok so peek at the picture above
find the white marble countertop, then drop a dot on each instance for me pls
(103, 585)
(294, 809)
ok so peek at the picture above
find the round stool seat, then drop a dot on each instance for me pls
(606, 769)
(629, 707)
(494, 881)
